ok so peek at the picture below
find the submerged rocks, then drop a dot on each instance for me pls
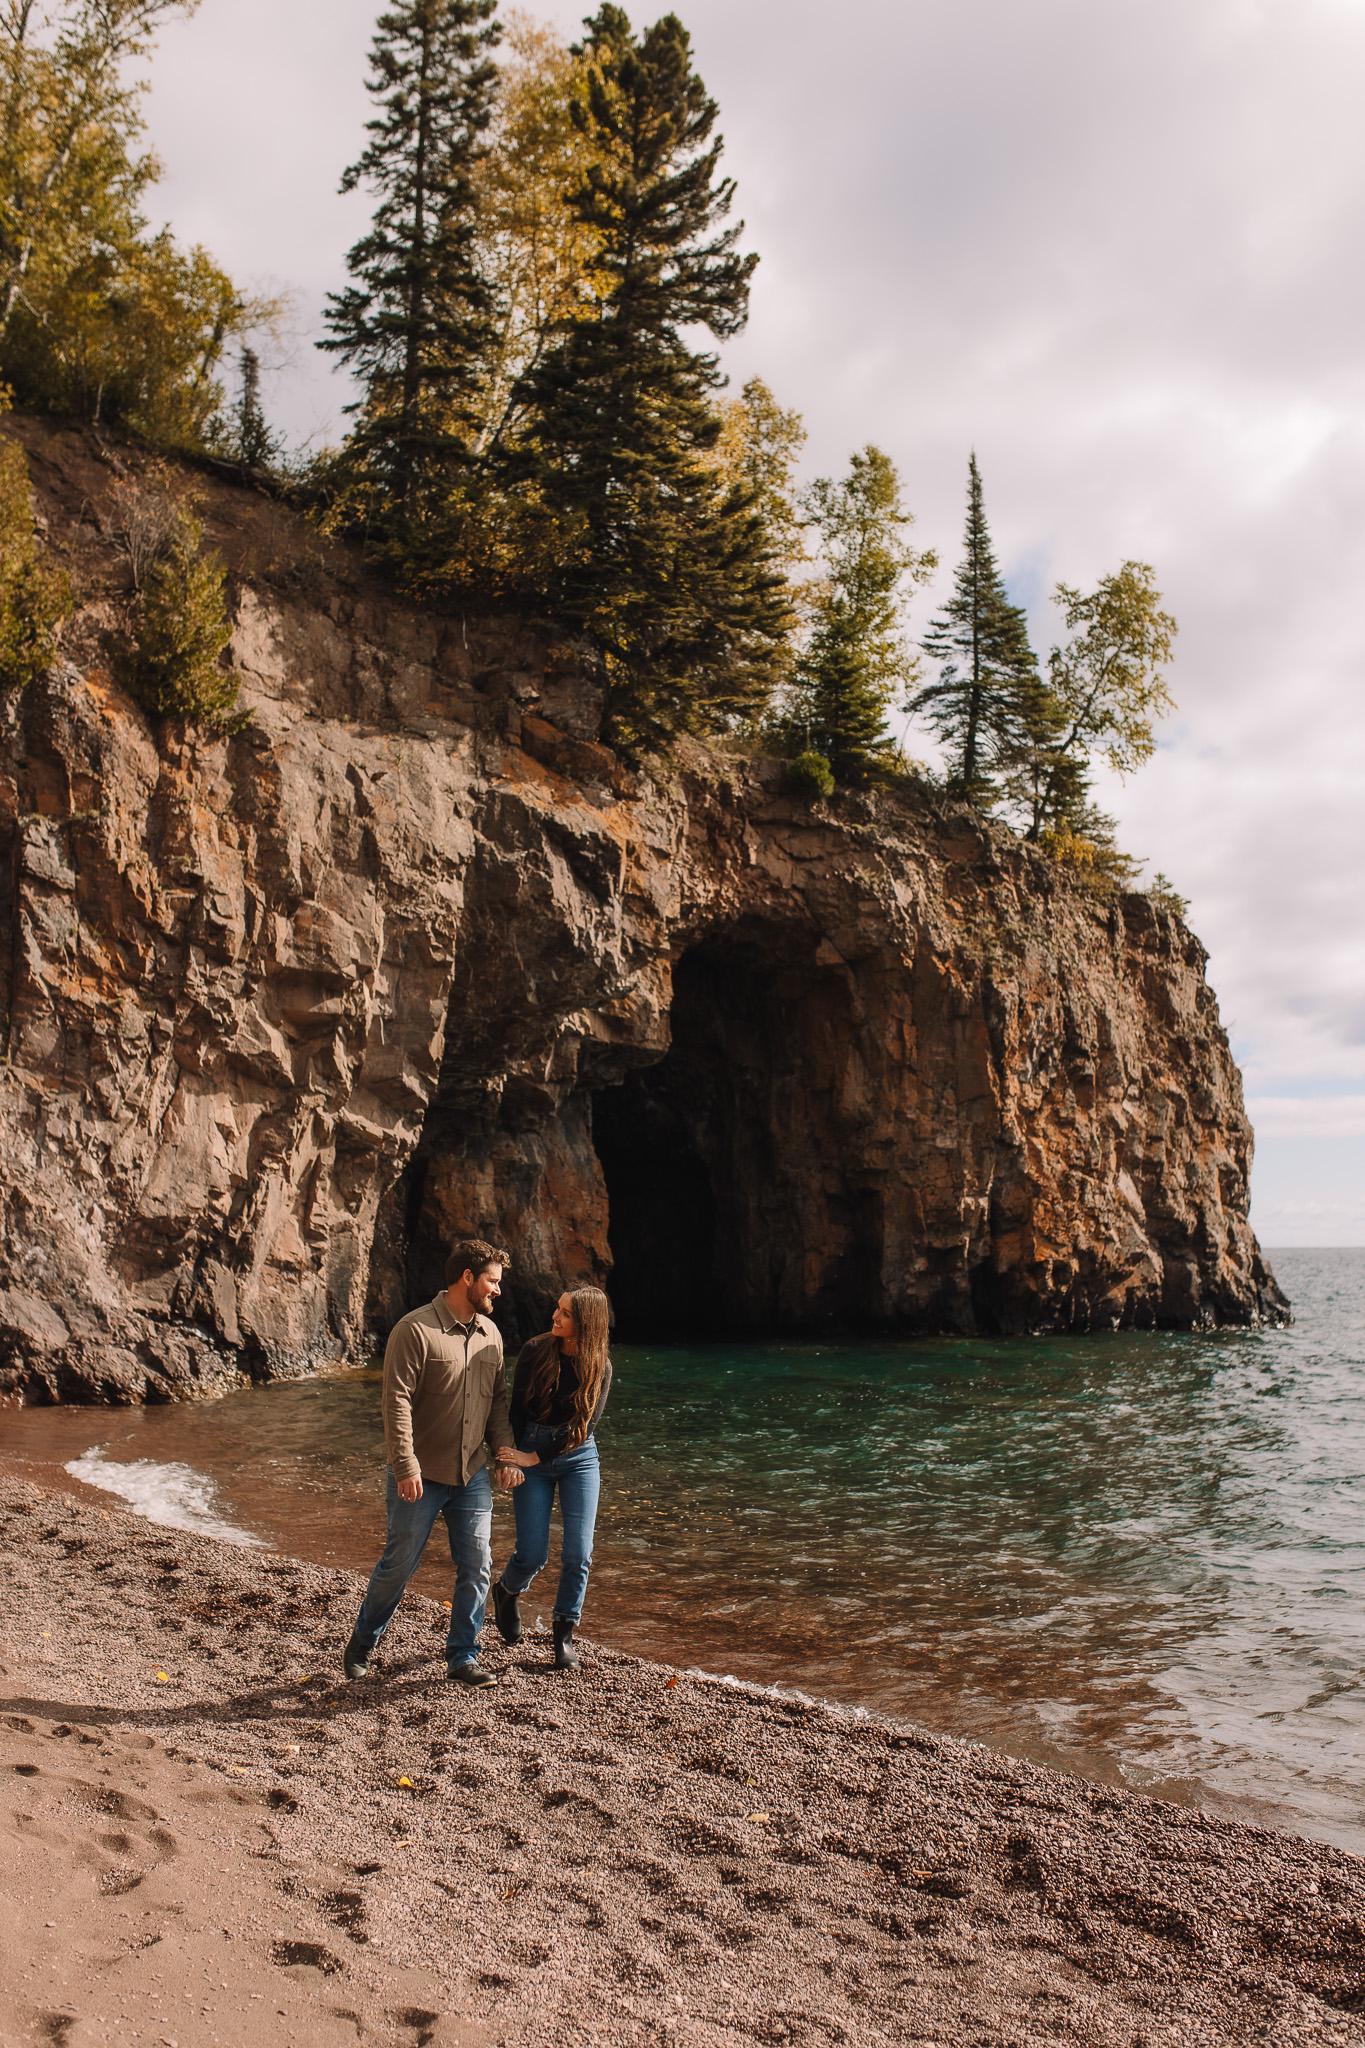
(414, 953)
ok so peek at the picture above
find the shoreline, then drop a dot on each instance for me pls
(755, 1659)
(639, 1855)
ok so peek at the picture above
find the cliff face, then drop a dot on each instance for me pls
(413, 954)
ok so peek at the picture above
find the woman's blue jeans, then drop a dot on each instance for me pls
(468, 1512)
(579, 1480)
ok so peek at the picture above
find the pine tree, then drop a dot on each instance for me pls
(257, 447)
(988, 705)
(856, 656)
(415, 322)
(662, 563)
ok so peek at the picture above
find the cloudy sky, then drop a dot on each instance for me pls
(1115, 248)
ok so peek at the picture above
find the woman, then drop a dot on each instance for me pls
(559, 1390)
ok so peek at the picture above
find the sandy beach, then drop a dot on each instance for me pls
(210, 1838)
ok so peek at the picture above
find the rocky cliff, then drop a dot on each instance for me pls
(413, 953)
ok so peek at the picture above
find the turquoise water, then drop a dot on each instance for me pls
(1139, 1555)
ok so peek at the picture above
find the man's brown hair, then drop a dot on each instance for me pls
(471, 1255)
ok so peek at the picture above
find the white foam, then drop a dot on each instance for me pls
(176, 1496)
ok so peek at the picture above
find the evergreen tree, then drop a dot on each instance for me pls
(415, 323)
(649, 550)
(856, 656)
(988, 705)
(174, 664)
(257, 447)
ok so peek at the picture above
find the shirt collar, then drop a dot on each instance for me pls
(448, 1318)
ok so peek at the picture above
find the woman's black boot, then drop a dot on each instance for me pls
(505, 1613)
(566, 1651)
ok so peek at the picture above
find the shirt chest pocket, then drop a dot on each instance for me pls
(483, 1369)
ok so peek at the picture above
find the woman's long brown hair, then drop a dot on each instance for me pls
(591, 1317)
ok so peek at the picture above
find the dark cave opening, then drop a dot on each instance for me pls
(691, 1152)
(662, 1208)
(741, 1200)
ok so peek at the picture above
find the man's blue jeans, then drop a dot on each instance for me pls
(468, 1512)
(579, 1480)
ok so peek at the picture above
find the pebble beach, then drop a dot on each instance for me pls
(209, 1837)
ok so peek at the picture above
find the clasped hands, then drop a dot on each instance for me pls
(512, 1467)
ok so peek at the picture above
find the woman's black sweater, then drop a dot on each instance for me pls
(558, 1410)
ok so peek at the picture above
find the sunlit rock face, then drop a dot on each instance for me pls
(414, 955)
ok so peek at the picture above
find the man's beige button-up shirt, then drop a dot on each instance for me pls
(445, 1397)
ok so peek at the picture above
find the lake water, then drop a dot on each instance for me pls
(1140, 1556)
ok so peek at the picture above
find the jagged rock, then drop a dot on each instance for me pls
(414, 953)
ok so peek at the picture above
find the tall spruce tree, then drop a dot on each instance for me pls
(257, 447)
(988, 705)
(415, 323)
(856, 655)
(652, 553)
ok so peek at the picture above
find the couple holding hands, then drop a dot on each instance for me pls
(446, 1410)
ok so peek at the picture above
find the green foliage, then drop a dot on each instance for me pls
(33, 598)
(809, 775)
(1104, 692)
(856, 656)
(640, 542)
(1108, 679)
(1085, 844)
(181, 631)
(987, 705)
(756, 455)
(415, 323)
(1105, 689)
(536, 255)
(98, 317)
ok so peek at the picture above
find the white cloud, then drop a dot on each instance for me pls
(1297, 1116)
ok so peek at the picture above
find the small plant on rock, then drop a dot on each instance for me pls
(1165, 896)
(809, 775)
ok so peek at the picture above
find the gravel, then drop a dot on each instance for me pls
(636, 1854)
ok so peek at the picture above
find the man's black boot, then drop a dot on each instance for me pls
(355, 1661)
(505, 1613)
(470, 1674)
(566, 1651)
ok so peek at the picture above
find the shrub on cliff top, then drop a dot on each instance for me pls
(809, 775)
(33, 598)
(1163, 893)
(1088, 850)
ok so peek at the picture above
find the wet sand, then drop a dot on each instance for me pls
(210, 1838)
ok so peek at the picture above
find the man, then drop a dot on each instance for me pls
(445, 1408)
